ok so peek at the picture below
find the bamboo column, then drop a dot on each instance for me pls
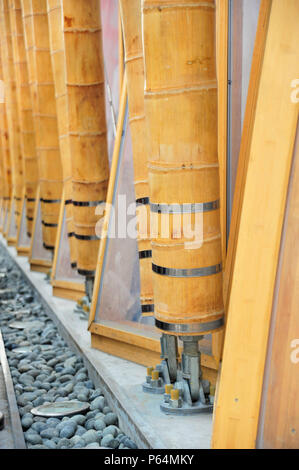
(181, 118)
(4, 144)
(58, 66)
(87, 124)
(131, 22)
(11, 110)
(28, 144)
(35, 20)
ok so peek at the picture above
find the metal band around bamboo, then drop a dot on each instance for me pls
(46, 224)
(190, 327)
(145, 254)
(86, 237)
(143, 201)
(185, 208)
(147, 308)
(50, 201)
(87, 203)
(198, 272)
(86, 273)
(68, 202)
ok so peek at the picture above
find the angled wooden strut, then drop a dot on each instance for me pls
(259, 237)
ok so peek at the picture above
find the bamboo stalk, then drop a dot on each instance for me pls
(28, 144)
(35, 20)
(131, 22)
(4, 144)
(11, 110)
(58, 65)
(181, 117)
(86, 123)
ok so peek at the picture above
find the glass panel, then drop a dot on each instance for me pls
(118, 301)
(38, 251)
(24, 240)
(64, 271)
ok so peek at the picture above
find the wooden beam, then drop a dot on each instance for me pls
(250, 304)
(280, 426)
(257, 62)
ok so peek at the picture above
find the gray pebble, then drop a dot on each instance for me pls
(90, 436)
(99, 424)
(111, 430)
(109, 441)
(111, 418)
(27, 421)
(79, 419)
(49, 433)
(50, 444)
(68, 430)
(89, 424)
(33, 438)
(98, 404)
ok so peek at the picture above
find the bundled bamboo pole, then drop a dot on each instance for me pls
(87, 123)
(58, 66)
(181, 116)
(11, 110)
(131, 23)
(4, 144)
(35, 20)
(28, 144)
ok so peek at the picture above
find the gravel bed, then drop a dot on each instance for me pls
(50, 372)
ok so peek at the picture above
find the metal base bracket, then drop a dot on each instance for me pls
(186, 409)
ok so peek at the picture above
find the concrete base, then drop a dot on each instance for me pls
(121, 380)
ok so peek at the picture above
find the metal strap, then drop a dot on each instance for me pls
(142, 201)
(67, 202)
(29, 218)
(185, 208)
(190, 327)
(73, 265)
(31, 199)
(87, 203)
(147, 308)
(48, 247)
(17, 198)
(71, 234)
(86, 237)
(50, 201)
(145, 254)
(197, 272)
(86, 273)
(49, 225)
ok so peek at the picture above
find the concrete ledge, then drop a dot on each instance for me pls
(121, 380)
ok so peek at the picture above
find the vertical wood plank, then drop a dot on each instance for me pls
(249, 311)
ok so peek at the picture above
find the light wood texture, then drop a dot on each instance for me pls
(249, 310)
(27, 132)
(249, 119)
(12, 110)
(87, 128)
(41, 79)
(109, 202)
(281, 423)
(58, 65)
(181, 117)
(131, 25)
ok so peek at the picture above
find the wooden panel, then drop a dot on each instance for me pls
(257, 61)
(249, 310)
(281, 423)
